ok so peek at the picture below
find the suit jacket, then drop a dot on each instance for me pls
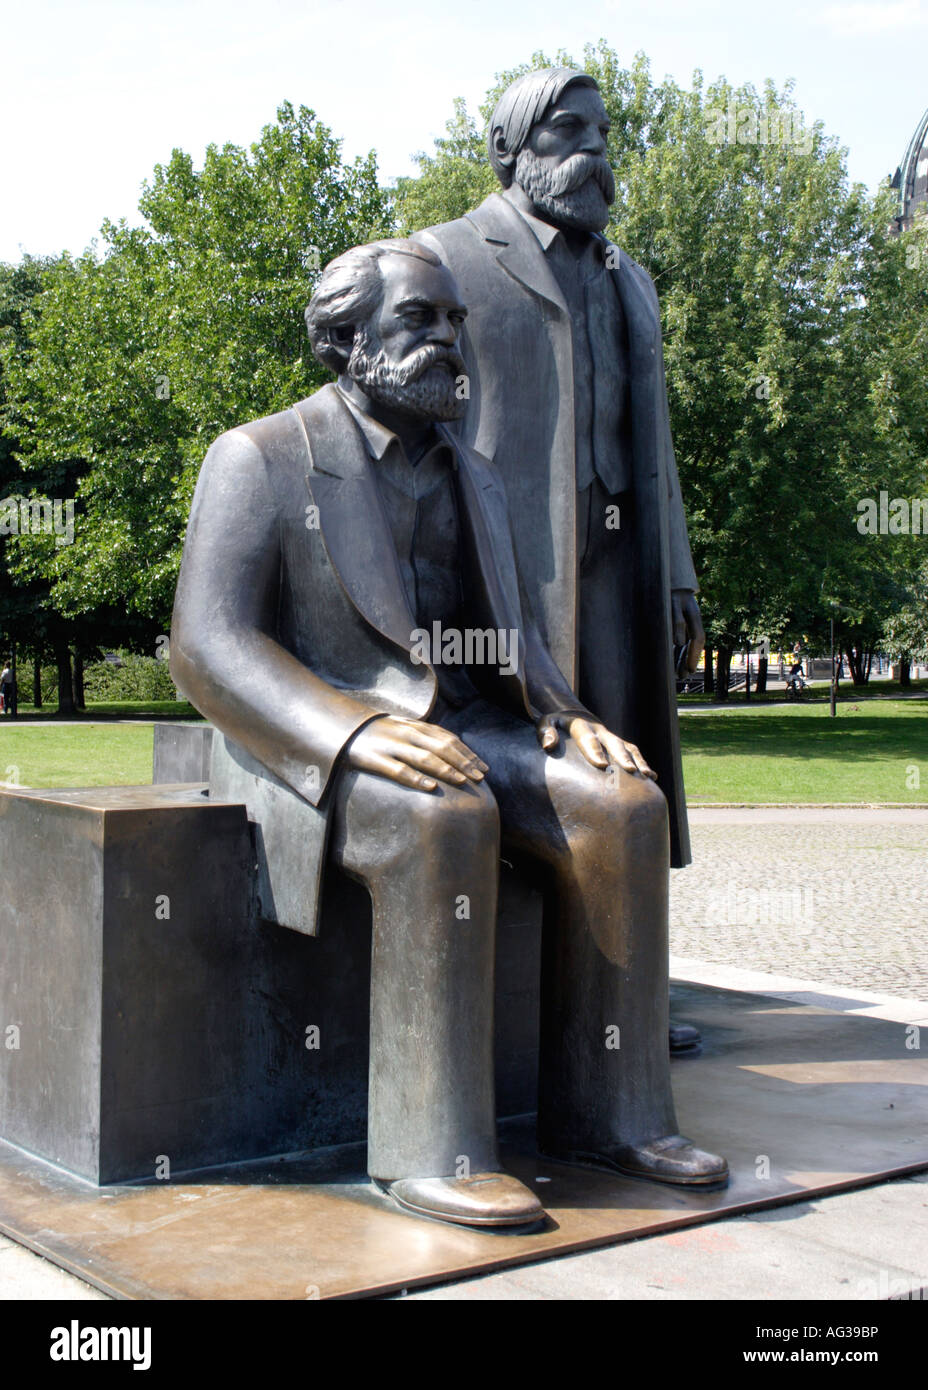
(292, 629)
(518, 348)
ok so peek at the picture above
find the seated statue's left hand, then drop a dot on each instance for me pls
(599, 746)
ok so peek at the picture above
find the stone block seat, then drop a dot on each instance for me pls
(152, 1022)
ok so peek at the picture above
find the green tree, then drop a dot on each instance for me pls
(142, 350)
(30, 620)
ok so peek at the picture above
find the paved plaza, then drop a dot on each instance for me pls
(834, 895)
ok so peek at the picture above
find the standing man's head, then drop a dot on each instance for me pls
(548, 137)
(388, 316)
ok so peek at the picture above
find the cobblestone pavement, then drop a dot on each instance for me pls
(839, 896)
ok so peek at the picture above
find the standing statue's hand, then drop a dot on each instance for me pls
(687, 625)
(413, 753)
(598, 745)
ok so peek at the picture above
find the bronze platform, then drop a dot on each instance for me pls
(802, 1101)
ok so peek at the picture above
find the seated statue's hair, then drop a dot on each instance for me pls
(524, 103)
(350, 290)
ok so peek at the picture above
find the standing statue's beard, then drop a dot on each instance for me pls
(423, 385)
(578, 193)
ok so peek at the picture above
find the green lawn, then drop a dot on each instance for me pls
(114, 709)
(747, 754)
(798, 753)
(819, 692)
(75, 755)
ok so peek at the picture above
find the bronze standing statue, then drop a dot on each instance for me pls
(568, 397)
(349, 616)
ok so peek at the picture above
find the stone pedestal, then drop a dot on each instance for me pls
(148, 1023)
(151, 1023)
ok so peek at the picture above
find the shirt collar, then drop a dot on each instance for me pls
(545, 232)
(548, 235)
(377, 438)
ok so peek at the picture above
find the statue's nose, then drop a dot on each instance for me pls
(444, 331)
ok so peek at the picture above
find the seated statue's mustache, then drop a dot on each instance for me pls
(425, 358)
(368, 359)
(423, 384)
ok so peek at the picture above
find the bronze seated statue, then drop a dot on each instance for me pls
(350, 616)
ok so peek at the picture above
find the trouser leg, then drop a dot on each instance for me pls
(430, 862)
(604, 1071)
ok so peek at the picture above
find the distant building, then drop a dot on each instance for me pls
(911, 178)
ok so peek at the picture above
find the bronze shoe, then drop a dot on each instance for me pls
(671, 1159)
(483, 1199)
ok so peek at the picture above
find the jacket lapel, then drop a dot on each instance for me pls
(642, 318)
(518, 251)
(352, 521)
(485, 519)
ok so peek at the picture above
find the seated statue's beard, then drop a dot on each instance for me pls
(578, 193)
(419, 386)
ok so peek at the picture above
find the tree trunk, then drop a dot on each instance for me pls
(761, 686)
(14, 690)
(905, 670)
(708, 684)
(855, 660)
(65, 687)
(722, 672)
(79, 680)
(37, 679)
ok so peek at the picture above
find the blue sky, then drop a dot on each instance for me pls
(95, 92)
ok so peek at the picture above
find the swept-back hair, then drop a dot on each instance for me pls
(350, 290)
(523, 103)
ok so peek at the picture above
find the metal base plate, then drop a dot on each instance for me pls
(801, 1100)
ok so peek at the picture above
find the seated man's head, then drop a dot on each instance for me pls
(548, 137)
(388, 316)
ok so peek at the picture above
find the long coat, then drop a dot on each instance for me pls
(292, 629)
(518, 348)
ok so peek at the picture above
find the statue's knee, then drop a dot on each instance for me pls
(612, 801)
(465, 816)
(638, 807)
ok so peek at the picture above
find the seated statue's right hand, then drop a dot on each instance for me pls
(413, 753)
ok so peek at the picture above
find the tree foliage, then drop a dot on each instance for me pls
(145, 348)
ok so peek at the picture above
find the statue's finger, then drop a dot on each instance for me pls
(548, 736)
(620, 752)
(641, 762)
(591, 747)
(397, 771)
(433, 764)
